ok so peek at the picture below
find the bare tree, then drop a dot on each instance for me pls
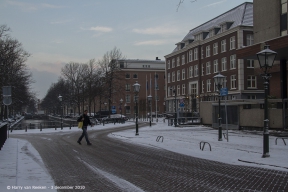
(181, 1)
(110, 68)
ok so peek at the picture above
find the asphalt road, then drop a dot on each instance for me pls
(113, 165)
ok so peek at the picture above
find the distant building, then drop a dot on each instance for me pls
(150, 74)
(207, 50)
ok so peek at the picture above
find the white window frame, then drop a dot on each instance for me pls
(232, 43)
(183, 74)
(178, 75)
(183, 89)
(223, 46)
(168, 77)
(173, 62)
(215, 66)
(250, 63)
(173, 76)
(195, 54)
(178, 61)
(224, 64)
(178, 89)
(249, 39)
(215, 48)
(233, 81)
(233, 61)
(195, 70)
(191, 72)
(208, 81)
(190, 55)
(202, 69)
(251, 79)
(208, 51)
(208, 68)
(168, 64)
(183, 59)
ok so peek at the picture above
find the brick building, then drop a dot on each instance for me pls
(207, 50)
(150, 74)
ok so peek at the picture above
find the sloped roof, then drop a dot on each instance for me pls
(240, 15)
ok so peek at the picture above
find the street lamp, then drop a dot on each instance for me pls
(60, 99)
(136, 91)
(149, 100)
(121, 101)
(175, 116)
(219, 80)
(266, 59)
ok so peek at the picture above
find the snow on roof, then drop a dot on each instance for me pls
(240, 15)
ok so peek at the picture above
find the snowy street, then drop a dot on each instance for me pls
(120, 161)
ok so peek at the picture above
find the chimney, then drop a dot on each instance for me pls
(157, 58)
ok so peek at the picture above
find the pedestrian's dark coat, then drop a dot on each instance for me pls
(86, 121)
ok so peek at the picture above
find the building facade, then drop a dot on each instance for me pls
(210, 49)
(150, 74)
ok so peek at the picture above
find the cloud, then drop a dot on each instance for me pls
(216, 3)
(31, 6)
(101, 29)
(151, 42)
(158, 31)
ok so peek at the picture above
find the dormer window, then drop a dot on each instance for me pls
(216, 30)
(205, 35)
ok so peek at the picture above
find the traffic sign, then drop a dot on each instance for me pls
(223, 91)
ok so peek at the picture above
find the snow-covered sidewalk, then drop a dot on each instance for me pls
(21, 165)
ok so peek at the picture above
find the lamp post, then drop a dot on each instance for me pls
(175, 116)
(60, 99)
(219, 80)
(149, 100)
(266, 59)
(136, 91)
(121, 101)
(105, 106)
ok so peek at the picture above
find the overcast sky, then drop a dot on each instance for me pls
(56, 32)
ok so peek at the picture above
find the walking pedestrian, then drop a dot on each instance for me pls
(86, 121)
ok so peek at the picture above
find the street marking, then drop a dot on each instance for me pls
(121, 183)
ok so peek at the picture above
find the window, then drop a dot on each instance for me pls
(283, 6)
(128, 99)
(168, 77)
(183, 89)
(202, 53)
(232, 43)
(178, 75)
(173, 76)
(250, 39)
(127, 76)
(168, 64)
(208, 85)
(250, 63)
(178, 61)
(183, 74)
(223, 45)
(224, 64)
(251, 97)
(208, 51)
(223, 28)
(208, 68)
(283, 18)
(183, 59)
(202, 69)
(211, 33)
(173, 63)
(195, 54)
(202, 87)
(135, 76)
(195, 70)
(121, 65)
(127, 87)
(215, 66)
(215, 48)
(178, 89)
(127, 110)
(190, 71)
(233, 82)
(252, 81)
(233, 62)
(190, 55)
